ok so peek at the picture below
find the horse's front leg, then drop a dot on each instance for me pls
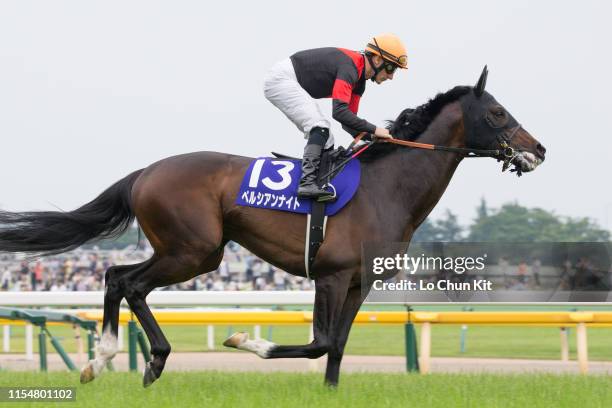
(339, 337)
(330, 294)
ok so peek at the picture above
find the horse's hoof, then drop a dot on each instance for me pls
(149, 376)
(87, 373)
(236, 339)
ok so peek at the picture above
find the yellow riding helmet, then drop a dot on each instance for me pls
(390, 48)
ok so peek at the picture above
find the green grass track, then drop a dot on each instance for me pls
(215, 389)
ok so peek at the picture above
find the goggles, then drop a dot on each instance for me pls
(389, 67)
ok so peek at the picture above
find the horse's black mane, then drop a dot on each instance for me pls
(411, 123)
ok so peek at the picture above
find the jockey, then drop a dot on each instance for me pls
(294, 83)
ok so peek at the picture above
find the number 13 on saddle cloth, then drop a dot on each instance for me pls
(272, 183)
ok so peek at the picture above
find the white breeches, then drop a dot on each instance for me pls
(282, 88)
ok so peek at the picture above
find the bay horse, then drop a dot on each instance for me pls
(186, 207)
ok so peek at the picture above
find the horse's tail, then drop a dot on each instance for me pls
(53, 232)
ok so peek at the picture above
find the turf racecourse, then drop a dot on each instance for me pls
(216, 389)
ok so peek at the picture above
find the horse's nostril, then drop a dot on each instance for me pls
(541, 150)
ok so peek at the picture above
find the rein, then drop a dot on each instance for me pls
(506, 153)
(465, 151)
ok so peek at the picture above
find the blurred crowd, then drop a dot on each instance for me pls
(84, 269)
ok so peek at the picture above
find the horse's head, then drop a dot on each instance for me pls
(488, 125)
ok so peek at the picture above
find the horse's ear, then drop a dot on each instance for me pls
(482, 82)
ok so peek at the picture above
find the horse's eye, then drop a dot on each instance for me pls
(497, 117)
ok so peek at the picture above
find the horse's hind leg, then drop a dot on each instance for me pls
(160, 348)
(137, 285)
(107, 348)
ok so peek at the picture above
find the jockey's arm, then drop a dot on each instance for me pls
(354, 125)
(349, 120)
(350, 131)
(346, 104)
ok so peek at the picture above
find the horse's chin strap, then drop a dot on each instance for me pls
(374, 67)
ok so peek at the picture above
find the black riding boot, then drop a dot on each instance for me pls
(310, 165)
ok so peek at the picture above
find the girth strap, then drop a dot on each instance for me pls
(315, 233)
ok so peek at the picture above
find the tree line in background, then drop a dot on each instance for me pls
(511, 223)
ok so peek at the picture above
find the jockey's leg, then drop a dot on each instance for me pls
(310, 165)
(282, 88)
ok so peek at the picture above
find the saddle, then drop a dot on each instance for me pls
(272, 183)
(332, 162)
